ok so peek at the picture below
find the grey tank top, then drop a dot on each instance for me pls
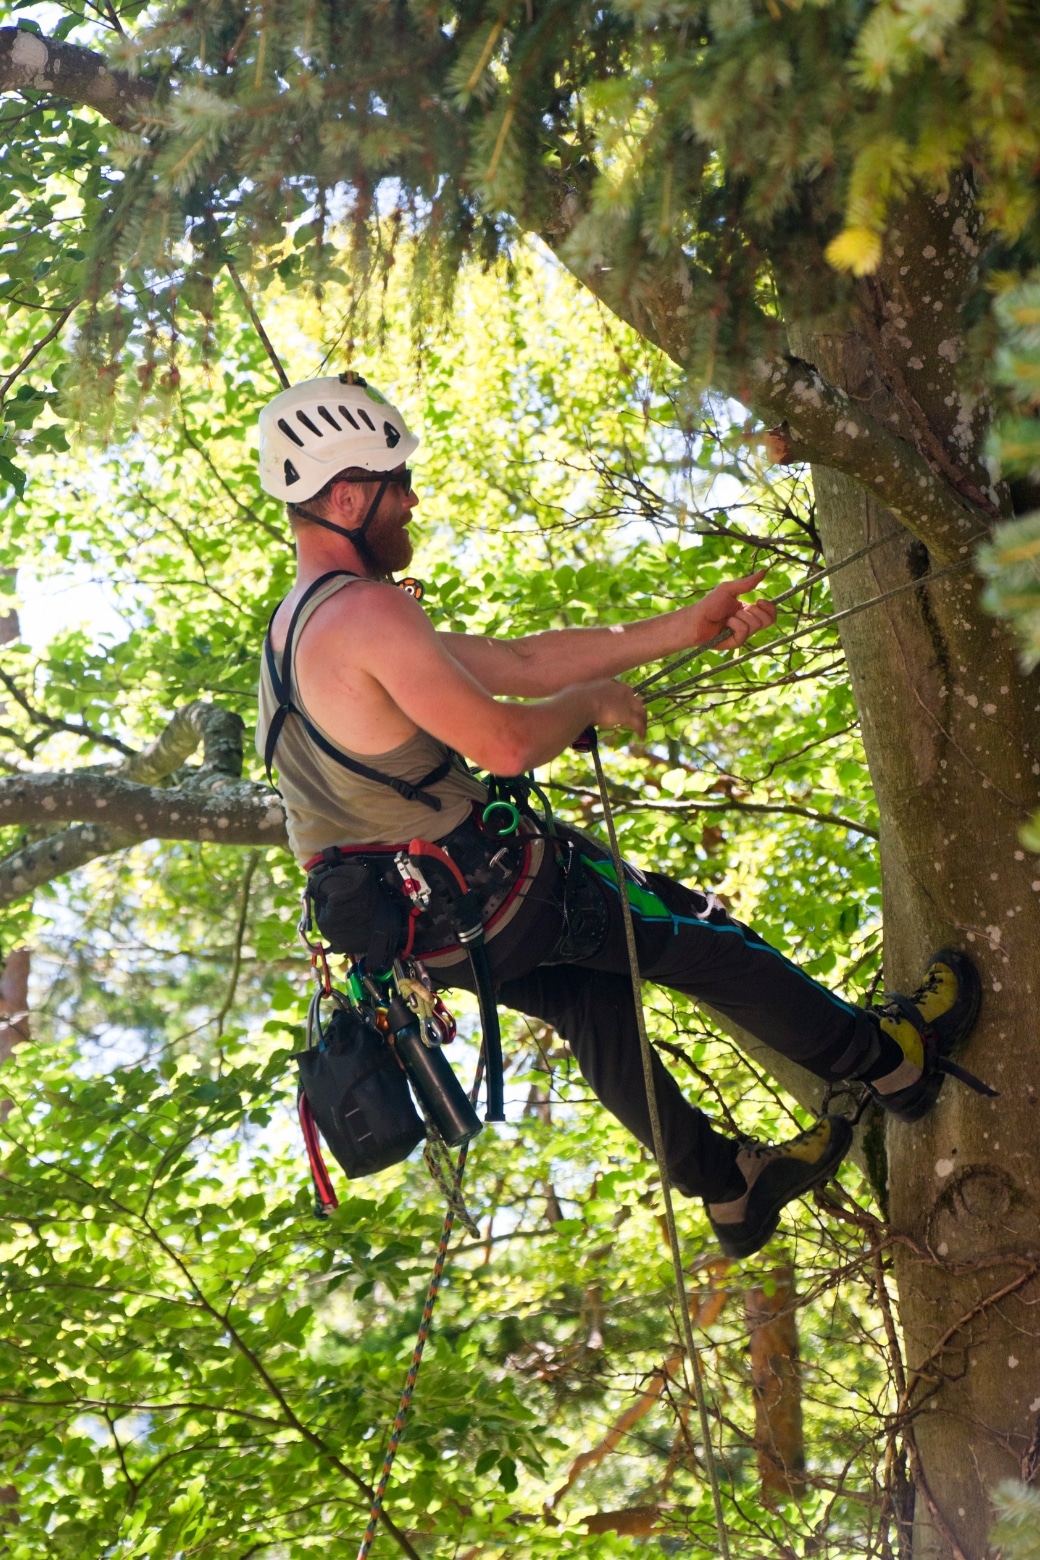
(326, 804)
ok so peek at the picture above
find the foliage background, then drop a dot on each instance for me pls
(191, 1361)
(191, 1364)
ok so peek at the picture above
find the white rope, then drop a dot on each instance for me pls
(799, 633)
(686, 1325)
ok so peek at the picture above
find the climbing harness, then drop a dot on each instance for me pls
(588, 742)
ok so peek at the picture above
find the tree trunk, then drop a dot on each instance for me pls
(952, 740)
(776, 1385)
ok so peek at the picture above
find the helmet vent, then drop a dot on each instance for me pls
(290, 433)
(365, 418)
(343, 412)
(290, 473)
(323, 411)
(392, 435)
(302, 417)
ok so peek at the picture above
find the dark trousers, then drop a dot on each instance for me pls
(689, 943)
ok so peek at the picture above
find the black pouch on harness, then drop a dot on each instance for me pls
(360, 909)
(357, 913)
(359, 1096)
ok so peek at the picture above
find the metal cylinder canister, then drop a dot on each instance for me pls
(432, 1077)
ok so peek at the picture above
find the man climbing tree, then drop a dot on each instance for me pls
(365, 709)
(808, 208)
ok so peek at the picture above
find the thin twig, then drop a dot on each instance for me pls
(36, 348)
(814, 627)
(77, 729)
(255, 319)
(688, 804)
(240, 932)
(203, 453)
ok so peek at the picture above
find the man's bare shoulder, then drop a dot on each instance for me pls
(368, 611)
(364, 609)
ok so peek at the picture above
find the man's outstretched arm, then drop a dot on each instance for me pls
(538, 665)
(371, 669)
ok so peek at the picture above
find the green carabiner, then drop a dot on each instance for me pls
(514, 817)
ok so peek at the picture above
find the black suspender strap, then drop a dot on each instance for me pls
(281, 686)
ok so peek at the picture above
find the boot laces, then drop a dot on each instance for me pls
(756, 1150)
(928, 986)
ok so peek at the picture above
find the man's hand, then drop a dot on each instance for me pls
(722, 608)
(617, 704)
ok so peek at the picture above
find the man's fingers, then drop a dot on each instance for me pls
(747, 621)
(749, 581)
(760, 614)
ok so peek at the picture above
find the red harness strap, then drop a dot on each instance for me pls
(319, 1174)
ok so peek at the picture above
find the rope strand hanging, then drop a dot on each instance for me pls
(454, 1206)
(685, 1323)
(799, 633)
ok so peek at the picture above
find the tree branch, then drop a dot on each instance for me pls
(624, 801)
(219, 731)
(827, 427)
(75, 74)
(684, 311)
(112, 809)
(121, 813)
(53, 723)
(36, 348)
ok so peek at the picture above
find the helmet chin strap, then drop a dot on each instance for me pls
(357, 535)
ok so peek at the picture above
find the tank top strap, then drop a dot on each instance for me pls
(281, 680)
(314, 597)
(281, 675)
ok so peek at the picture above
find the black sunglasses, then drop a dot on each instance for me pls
(401, 478)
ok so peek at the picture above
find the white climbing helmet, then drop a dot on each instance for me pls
(319, 427)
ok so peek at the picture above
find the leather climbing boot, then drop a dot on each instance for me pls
(773, 1175)
(926, 1027)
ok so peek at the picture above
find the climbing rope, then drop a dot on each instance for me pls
(799, 633)
(686, 1325)
(442, 1173)
(455, 1206)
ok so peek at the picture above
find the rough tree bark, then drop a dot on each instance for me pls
(110, 808)
(65, 70)
(952, 737)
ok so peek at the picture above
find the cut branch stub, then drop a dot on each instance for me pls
(74, 74)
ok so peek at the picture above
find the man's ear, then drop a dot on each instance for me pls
(343, 501)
